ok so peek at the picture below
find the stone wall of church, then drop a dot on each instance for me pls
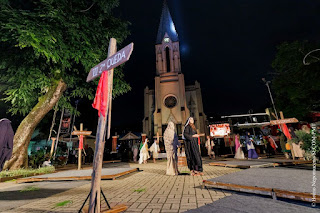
(195, 105)
(149, 108)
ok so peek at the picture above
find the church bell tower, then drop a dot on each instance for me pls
(170, 100)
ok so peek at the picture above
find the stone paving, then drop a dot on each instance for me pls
(146, 191)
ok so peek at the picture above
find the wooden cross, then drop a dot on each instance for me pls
(79, 133)
(104, 123)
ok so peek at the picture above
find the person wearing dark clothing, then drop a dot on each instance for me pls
(190, 137)
(176, 145)
(6, 141)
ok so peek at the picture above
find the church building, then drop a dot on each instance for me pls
(171, 99)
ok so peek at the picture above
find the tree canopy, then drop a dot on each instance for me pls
(45, 41)
(296, 85)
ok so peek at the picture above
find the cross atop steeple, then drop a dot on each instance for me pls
(166, 26)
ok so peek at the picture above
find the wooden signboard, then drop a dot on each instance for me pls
(111, 62)
(81, 133)
(284, 121)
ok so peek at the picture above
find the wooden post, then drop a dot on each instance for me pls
(80, 151)
(52, 146)
(94, 203)
(114, 144)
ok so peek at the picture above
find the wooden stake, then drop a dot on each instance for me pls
(80, 150)
(52, 146)
(94, 203)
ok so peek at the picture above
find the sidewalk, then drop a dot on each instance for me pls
(147, 191)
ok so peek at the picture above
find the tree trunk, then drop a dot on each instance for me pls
(26, 128)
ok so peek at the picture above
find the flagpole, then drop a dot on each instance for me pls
(94, 203)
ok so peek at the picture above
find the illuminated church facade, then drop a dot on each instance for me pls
(171, 100)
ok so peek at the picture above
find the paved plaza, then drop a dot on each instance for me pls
(149, 190)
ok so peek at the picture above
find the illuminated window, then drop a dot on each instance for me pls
(167, 40)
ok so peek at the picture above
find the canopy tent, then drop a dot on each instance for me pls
(129, 136)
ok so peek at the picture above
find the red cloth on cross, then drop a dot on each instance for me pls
(101, 100)
(81, 142)
(285, 131)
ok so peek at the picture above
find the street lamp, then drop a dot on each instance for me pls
(304, 59)
(267, 84)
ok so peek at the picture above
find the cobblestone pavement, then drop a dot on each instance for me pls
(149, 190)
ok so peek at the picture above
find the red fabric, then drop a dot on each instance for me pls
(199, 141)
(101, 100)
(271, 141)
(285, 131)
(81, 142)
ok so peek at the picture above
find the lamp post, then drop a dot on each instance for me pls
(267, 84)
(304, 59)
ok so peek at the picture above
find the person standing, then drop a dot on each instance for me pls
(252, 154)
(239, 153)
(172, 160)
(144, 154)
(155, 150)
(135, 151)
(6, 141)
(283, 142)
(176, 145)
(190, 137)
(209, 146)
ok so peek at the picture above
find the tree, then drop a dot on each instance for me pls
(47, 48)
(296, 85)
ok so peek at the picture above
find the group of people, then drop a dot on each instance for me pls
(265, 141)
(171, 142)
(239, 154)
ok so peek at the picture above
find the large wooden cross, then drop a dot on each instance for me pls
(104, 123)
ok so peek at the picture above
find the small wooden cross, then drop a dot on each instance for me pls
(80, 133)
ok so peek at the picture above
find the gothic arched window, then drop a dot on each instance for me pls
(168, 58)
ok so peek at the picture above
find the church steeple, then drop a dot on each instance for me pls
(166, 26)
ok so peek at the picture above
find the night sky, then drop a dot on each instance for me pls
(226, 45)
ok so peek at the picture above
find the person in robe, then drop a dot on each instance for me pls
(239, 153)
(135, 151)
(209, 146)
(155, 149)
(144, 153)
(283, 142)
(252, 154)
(6, 141)
(176, 146)
(190, 137)
(172, 159)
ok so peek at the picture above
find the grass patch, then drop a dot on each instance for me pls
(139, 190)
(10, 180)
(30, 189)
(27, 172)
(63, 203)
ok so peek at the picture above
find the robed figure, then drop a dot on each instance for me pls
(190, 137)
(169, 142)
(144, 153)
(6, 141)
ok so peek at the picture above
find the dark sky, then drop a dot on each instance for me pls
(227, 45)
